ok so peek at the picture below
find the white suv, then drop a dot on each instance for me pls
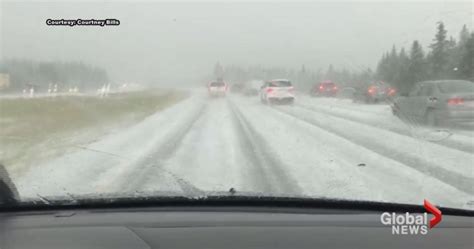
(217, 89)
(277, 91)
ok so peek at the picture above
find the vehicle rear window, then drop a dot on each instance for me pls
(426, 90)
(328, 84)
(456, 86)
(279, 84)
(217, 84)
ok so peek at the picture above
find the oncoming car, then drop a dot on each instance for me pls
(277, 91)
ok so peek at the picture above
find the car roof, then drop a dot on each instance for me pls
(440, 81)
(327, 82)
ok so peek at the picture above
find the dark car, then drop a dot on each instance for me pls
(440, 102)
(375, 92)
(325, 88)
(237, 87)
(252, 87)
(250, 92)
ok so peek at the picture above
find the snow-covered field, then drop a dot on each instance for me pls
(319, 147)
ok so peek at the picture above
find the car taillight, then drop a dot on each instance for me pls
(455, 101)
(269, 90)
(371, 90)
(391, 92)
(291, 89)
(334, 88)
(321, 87)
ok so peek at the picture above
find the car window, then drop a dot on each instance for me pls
(456, 86)
(217, 84)
(145, 98)
(280, 84)
(328, 84)
(426, 90)
(415, 91)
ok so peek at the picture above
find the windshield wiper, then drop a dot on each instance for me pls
(226, 200)
(8, 192)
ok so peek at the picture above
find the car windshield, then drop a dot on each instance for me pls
(456, 87)
(328, 84)
(280, 84)
(137, 99)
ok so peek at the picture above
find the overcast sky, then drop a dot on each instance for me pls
(180, 42)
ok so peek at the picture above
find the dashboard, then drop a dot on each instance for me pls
(205, 227)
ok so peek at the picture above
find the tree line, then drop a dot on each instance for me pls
(302, 78)
(42, 75)
(446, 58)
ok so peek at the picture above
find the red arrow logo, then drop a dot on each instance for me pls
(435, 211)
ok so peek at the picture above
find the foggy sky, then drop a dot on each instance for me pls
(178, 43)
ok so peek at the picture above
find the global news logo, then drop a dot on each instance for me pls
(412, 224)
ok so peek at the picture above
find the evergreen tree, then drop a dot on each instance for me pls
(383, 67)
(466, 64)
(439, 53)
(393, 67)
(416, 67)
(402, 81)
(463, 35)
(330, 72)
(218, 70)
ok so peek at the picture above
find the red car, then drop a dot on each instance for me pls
(325, 88)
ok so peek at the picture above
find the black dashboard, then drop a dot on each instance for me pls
(225, 227)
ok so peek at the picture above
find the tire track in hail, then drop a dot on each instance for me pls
(454, 179)
(269, 169)
(353, 106)
(447, 143)
(154, 161)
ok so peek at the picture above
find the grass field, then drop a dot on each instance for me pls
(28, 125)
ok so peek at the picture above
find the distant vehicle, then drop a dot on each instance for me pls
(237, 87)
(442, 102)
(250, 92)
(217, 88)
(252, 87)
(277, 91)
(375, 92)
(346, 92)
(325, 88)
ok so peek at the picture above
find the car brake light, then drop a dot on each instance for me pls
(455, 101)
(391, 92)
(373, 89)
(269, 90)
(321, 87)
(334, 88)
